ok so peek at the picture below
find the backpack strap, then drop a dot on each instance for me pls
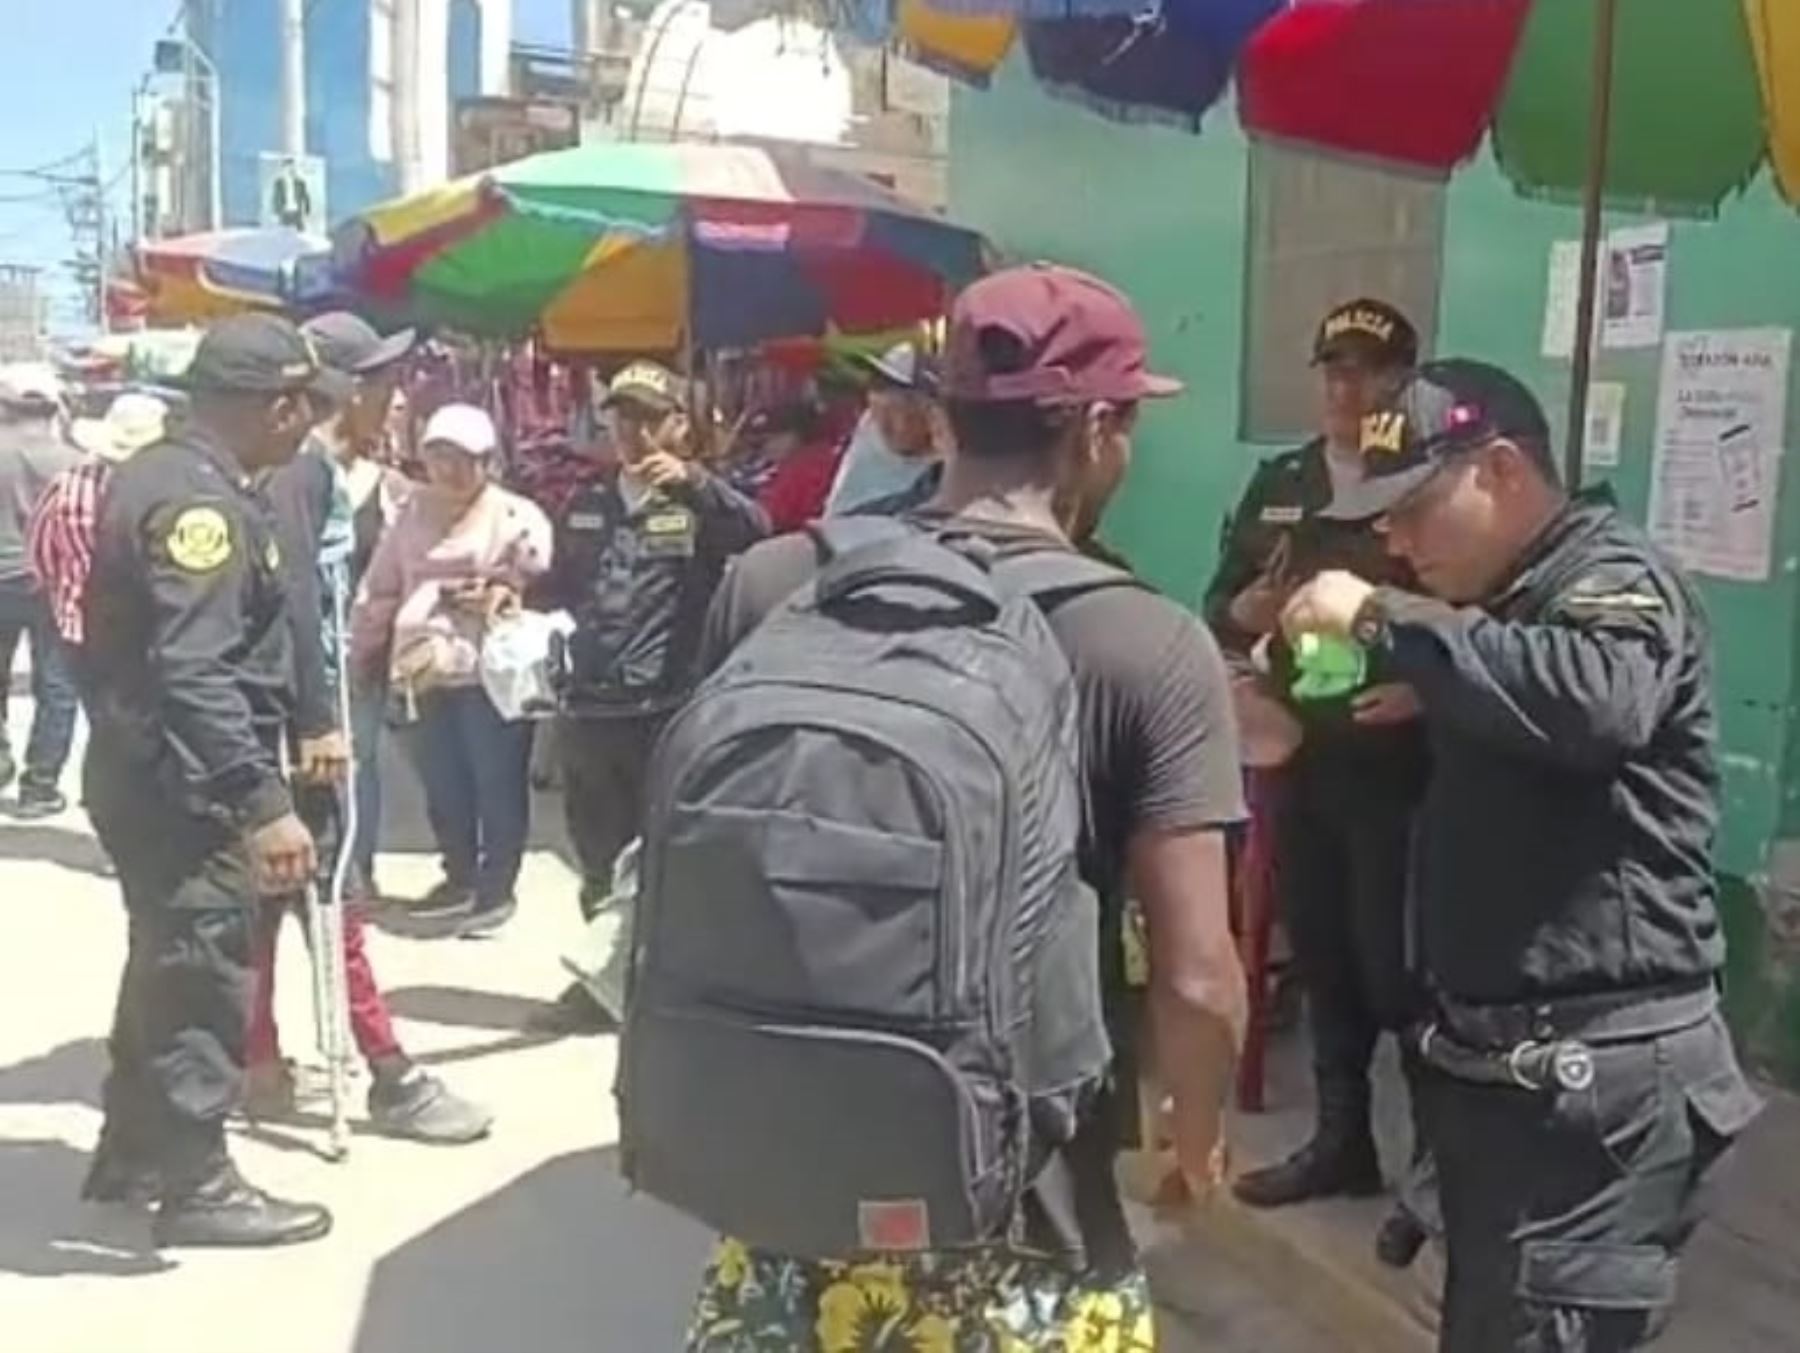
(835, 537)
(1053, 576)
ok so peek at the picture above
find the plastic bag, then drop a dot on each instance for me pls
(517, 662)
(601, 961)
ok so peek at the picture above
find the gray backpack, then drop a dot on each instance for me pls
(865, 1002)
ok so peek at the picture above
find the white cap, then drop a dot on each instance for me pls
(464, 427)
(30, 383)
(133, 422)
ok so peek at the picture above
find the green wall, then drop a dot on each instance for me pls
(1161, 214)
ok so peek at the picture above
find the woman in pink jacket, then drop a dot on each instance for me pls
(461, 553)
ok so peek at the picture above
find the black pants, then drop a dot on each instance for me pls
(1344, 826)
(1565, 1214)
(183, 1008)
(604, 762)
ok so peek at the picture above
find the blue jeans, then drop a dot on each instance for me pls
(24, 615)
(368, 710)
(476, 769)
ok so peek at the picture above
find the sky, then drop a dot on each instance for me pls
(70, 67)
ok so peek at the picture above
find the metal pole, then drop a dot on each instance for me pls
(216, 206)
(137, 163)
(293, 77)
(1606, 27)
(102, 225)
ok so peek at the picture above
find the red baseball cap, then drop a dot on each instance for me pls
(1046, 334)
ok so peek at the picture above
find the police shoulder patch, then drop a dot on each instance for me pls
(199, 541)
(1614, 592)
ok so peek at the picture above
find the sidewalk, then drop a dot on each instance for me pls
(1740, 1288)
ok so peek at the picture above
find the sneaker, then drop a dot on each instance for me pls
(488, 919)
(1400, 1239)
(38, 801)
(421, 1108)
(575, 1014)
(225, 1212)
(270, 1093)
(445, 902)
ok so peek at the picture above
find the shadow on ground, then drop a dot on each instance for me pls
(68, 1074)
(562, 1260)
(45, 1232)
(42, 843)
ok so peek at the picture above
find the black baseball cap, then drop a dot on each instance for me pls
(350, 344)
(1371, 330)
(256, 354)
(1447, 407)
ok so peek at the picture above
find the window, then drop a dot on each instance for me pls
(1322, 230)
(381, 80)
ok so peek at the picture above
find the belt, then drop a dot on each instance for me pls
(1540, 1068)
(1610, 1017)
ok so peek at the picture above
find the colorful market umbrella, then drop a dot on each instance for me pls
(188, 279)
(645, 247)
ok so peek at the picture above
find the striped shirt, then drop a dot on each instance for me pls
(60, 545)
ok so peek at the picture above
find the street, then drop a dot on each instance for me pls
(526, 1242)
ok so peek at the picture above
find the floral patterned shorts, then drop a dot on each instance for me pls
(987, 1302)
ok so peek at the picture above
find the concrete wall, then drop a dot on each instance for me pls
(1162, 213)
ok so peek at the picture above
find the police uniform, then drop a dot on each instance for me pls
(1344, 804)
(1582, 1081)
(189, 687)
(637, 569)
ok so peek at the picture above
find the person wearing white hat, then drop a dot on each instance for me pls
(32, 455)
(461, 553)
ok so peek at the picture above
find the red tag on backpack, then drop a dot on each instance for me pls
(903, 1225)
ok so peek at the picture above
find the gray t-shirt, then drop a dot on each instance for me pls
(31, 455)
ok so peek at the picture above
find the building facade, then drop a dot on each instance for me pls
(1229, 251)
(382, 80)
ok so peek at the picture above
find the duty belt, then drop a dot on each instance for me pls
(1610, 1017)
(1548, 1046)
(1537, 1067)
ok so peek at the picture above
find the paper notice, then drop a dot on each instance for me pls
(1630, 290)
(1561, 299)
(1605, 425)
(1720, 425)
(1634, 286)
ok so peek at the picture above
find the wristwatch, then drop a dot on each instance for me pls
(1370, 626)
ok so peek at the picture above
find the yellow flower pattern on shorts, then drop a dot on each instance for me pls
(988, 1301)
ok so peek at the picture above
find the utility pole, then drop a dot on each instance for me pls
(102, 242)
(408, 147)
(293, 77)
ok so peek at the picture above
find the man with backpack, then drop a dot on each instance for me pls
(889, 845)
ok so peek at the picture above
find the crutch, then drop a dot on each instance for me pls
(325, 917)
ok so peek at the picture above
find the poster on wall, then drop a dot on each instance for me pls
(1605, 426)
(291, 192)
(1634, 286)
(1631, 289)
(1720, 425)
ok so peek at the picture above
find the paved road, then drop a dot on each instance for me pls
(526, 1242)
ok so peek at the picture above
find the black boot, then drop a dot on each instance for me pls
(223, 1211)
(1340, 1160)
(1400, 1238)
(115, 1178)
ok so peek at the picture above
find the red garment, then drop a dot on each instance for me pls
(1392, 79)
(60, 545)
(796, 492)
(370, 1023)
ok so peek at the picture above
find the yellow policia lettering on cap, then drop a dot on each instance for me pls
(1384, 432)
(200, 540)
(1359, 321)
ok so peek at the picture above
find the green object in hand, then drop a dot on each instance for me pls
(1327, 668)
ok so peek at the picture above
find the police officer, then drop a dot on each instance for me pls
(1343, 814)
(638, 556)
(190, 679)
(1580, 1081)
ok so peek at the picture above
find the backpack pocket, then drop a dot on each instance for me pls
(792, 911)
(815, 1142)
